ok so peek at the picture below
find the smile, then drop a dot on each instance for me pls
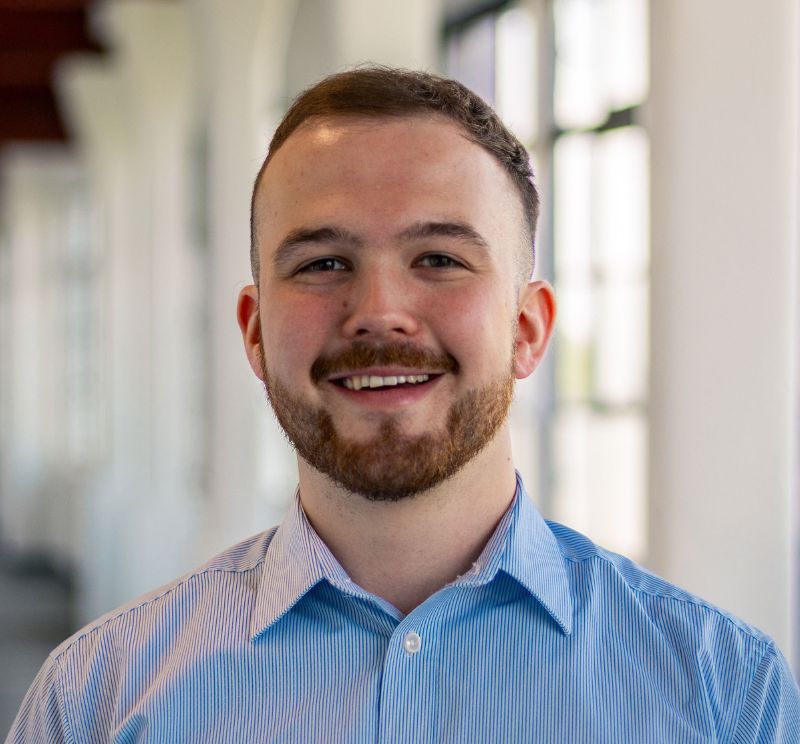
(359, 382)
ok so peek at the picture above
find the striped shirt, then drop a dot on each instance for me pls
(548, 638)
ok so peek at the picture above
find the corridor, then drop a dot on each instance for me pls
(34, 618)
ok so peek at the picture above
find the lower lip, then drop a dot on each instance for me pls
(388, 397)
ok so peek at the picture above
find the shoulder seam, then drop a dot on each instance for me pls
(176, 585)
(689, 599)
(770, 647)
(62, 692)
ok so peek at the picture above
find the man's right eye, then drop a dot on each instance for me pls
(322, 265)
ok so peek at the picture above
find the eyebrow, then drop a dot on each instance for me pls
(332, 235)
(325, 235)
(459, 230)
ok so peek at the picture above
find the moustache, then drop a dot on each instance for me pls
(361, 355)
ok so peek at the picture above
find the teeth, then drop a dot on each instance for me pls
(374, 381)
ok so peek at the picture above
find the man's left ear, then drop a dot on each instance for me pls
(537, 313)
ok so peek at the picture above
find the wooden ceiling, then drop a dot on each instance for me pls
(34, 34)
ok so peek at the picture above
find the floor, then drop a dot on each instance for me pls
(34, 618)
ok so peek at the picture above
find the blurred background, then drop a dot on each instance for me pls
(134, 440)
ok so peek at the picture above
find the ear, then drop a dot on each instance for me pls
(250, 326)
(537, 313)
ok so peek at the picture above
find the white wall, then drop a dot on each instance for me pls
(724, 301)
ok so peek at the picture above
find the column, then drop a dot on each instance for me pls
(724, 303)
(132, 115)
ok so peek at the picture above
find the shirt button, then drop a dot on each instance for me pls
(412, 643)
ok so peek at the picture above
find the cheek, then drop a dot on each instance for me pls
(294, 333)
(475, 328)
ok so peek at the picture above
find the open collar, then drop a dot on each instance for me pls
(533, 557)
(522, 546)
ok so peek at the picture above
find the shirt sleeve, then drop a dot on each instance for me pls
(42, 715)
(771, 711)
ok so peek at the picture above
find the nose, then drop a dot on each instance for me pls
(379, 304)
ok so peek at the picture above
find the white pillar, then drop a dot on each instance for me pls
(327, 37)
(132, 116)
(35, 478)
(22, 453)
(250, 468)
(723, 123)
(152, 42)
(397, 34)
(93, 96)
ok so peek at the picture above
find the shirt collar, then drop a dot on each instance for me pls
(291, 568)
(522, 546)
(533, 557)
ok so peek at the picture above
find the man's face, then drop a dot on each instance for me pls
(388, 309)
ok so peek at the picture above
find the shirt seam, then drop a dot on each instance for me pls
(696, 602)
(178, 584)
(62, 700)
(735, 731)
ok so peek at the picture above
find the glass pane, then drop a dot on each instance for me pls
(574, 342)
(572, 203)
(517, 57)
(526, 437)
(621, 344)
(601, 478)
(572, 197)
(601, 59)
(580, 94)
(601, 235)
(572, 479)
(628, 73)
(621, 200)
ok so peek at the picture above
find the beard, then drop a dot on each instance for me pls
(391, 466)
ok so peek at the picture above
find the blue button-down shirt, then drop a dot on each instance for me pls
(548, 638)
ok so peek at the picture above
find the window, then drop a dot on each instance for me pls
(569, 76)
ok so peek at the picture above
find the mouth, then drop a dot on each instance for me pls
(380, 382)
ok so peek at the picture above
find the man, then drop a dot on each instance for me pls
(413, 593)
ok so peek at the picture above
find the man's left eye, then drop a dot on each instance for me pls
(321, 265)
(439, 261)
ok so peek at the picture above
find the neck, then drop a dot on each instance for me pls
(405, 551)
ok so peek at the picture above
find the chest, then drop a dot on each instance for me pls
(462, 681)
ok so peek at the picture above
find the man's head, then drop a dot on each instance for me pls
(390, 321)
(382, 92)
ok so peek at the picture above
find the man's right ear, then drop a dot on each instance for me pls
(250, 326)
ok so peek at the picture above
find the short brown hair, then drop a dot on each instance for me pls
(376, 90)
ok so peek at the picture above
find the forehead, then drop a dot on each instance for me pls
(380, 170)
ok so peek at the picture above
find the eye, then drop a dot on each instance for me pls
(439, 261)
(321, 265)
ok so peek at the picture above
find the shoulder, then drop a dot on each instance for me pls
(596, 571)
(110, 664)
(233, 574)
(688, 647)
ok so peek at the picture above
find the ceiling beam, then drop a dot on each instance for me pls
(34, 34)
(30, 116)
(56, 30)
(44, 5)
